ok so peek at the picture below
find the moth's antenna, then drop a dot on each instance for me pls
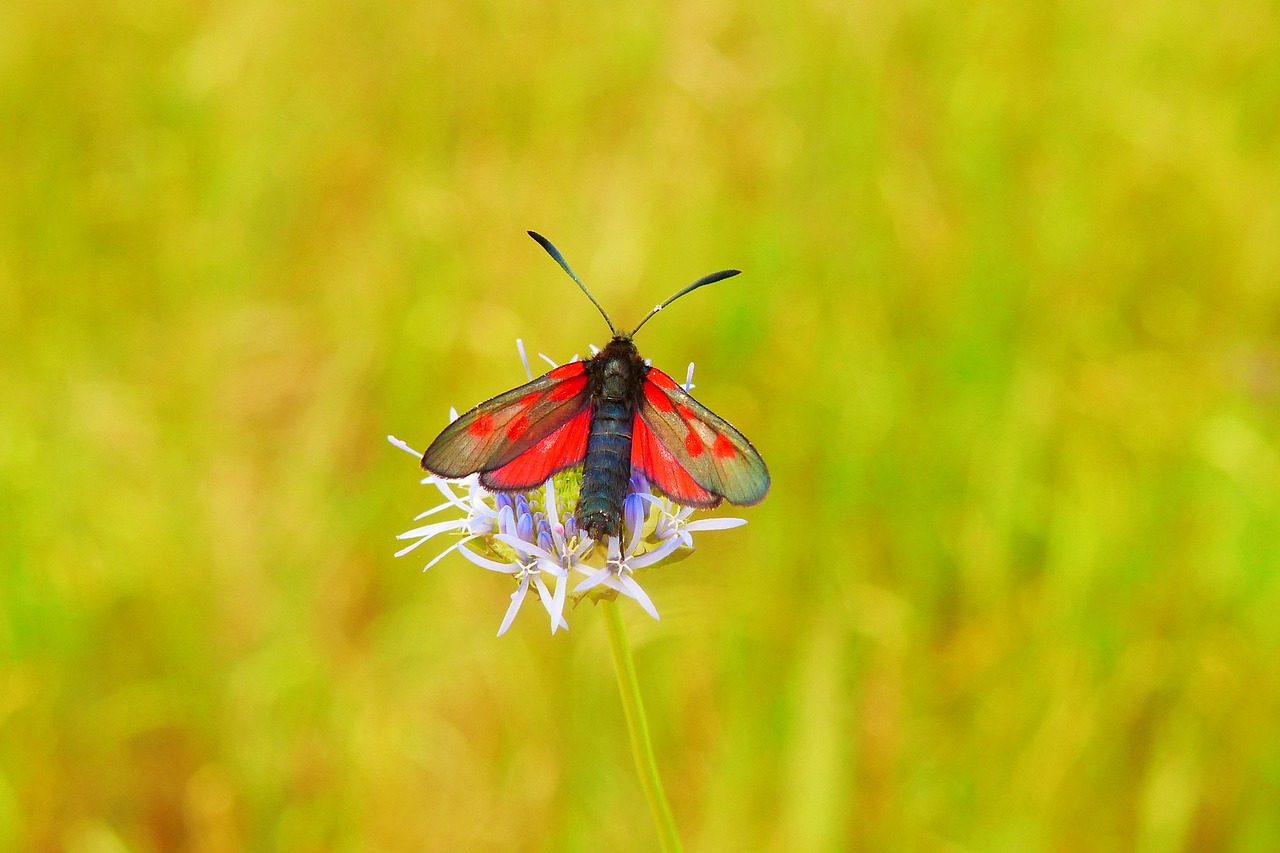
(555, 253)
(710, 278)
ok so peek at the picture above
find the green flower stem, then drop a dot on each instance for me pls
(641, 748)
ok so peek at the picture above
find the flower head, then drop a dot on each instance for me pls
(534, 538)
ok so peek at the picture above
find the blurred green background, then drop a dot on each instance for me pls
(1008, 339)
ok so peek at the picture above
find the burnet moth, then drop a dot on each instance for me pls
(613, 414)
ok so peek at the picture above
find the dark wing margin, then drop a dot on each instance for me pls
(499, 430)
(713, 454)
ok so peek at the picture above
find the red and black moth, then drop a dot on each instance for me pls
(611, 413)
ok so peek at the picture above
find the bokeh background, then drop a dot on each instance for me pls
(1008, 338)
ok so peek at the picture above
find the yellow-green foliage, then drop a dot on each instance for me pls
(1007, 337)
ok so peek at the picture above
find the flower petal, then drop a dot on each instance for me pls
(585, 544)
(491, 565)
(446, 488)
(551, 568)
(524, 359)
(517, 598)
(651, 498)
(634, 512)
(434, 510)
(548, 601)
(434, 529)
(553, 515)
(527, 549)
(654, 556)
(454, 547)
(596, 579)
(408, 548)
(714, 524)
(406, 448)
(628, 586)
(557, 601)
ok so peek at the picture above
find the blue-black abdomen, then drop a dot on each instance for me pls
(615, 376)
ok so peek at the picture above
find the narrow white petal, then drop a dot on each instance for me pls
(557, 605)
(628, 586)
(548, 601)
(433, 511)
(552, 568)
(715, 524)
(455, 546)
(528, 549)
(651, 498)
(428, 530)
(552, 506)
(403, 446)
(408, 548)
(517, 598)
(446, 489)
(491, 565)
(476, 501)
(654, 556)
(524, 359)
(481, 525)
(595, 580)
(549, 360)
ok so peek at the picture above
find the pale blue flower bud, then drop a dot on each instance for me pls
(634, 510)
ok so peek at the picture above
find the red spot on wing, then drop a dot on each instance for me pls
(693, 444)
(662, 380)
(517, 428)
(686, 414)
(569, 387)
(529, 399)
(568, 371)
(659, 465)
(723, 448)
(563, 448)
(656, 397)
(481, 426)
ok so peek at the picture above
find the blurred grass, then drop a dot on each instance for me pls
(1008, 339)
